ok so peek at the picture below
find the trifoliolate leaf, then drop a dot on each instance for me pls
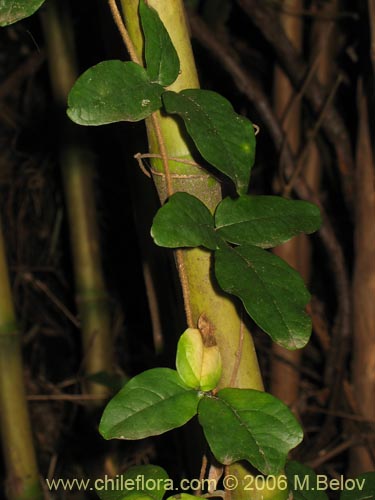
(265, 221)
(225, 139)
(245, 424)
(12, 11)
(113, 91)
(304, 483)
(184, 221)
(162, 61)
(143, 482)
(272, 292)
(360, 488)
(150, 404)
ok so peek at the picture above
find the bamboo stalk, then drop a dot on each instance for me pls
(297, 252)
(22, 482)
(202, 294)
(285, 375)
(363, 368)
(78, 169)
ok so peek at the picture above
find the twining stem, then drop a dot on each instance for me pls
(78, 169)
(22, 481)
(204, 295)
(123, 31)
(238, 355)
(164, 157)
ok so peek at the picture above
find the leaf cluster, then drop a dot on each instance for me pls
(263, 430)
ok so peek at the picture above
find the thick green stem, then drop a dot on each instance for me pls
(205, 298)
(22, 472)
(78, 171)
(240, 364)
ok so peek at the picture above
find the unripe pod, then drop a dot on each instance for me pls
(199, 366)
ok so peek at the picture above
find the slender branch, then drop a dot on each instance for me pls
(311, 139)
(174, 158)
(185, 287)
(238, 354)
(325, 456)
(123, 32)
(164, 156)
(334, 127)
(78, 398)
(285, 9)
(340, 414)
(202, 473)
(29, 278)
(23, 71)
(163, 152)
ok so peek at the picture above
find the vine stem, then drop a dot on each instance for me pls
(163, 152)
(164, 157)
(123, 31)
(238, 353)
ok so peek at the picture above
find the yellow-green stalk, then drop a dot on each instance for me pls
(22, 478)
(77, 167)
(205, 300)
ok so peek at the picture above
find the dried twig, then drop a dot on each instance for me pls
(267, 21)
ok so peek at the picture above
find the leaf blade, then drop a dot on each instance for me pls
(303, 482)
(162, 61)
(184, 221)
(263, 429)
(12, 11)
(225, 139)
(364, 488)
(113, 91)
(265, 221)
(272, 292)
(150, 404)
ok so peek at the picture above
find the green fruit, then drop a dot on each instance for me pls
(198, 366)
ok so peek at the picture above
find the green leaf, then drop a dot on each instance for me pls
(12, 11)
(265, 221)
(262, 429)
(161, 57)
(360, 488)
(225, 139)
(184, 221)
(150, 404)
(113, 91)
(272, 292)
(142, 482)
(303, 482)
